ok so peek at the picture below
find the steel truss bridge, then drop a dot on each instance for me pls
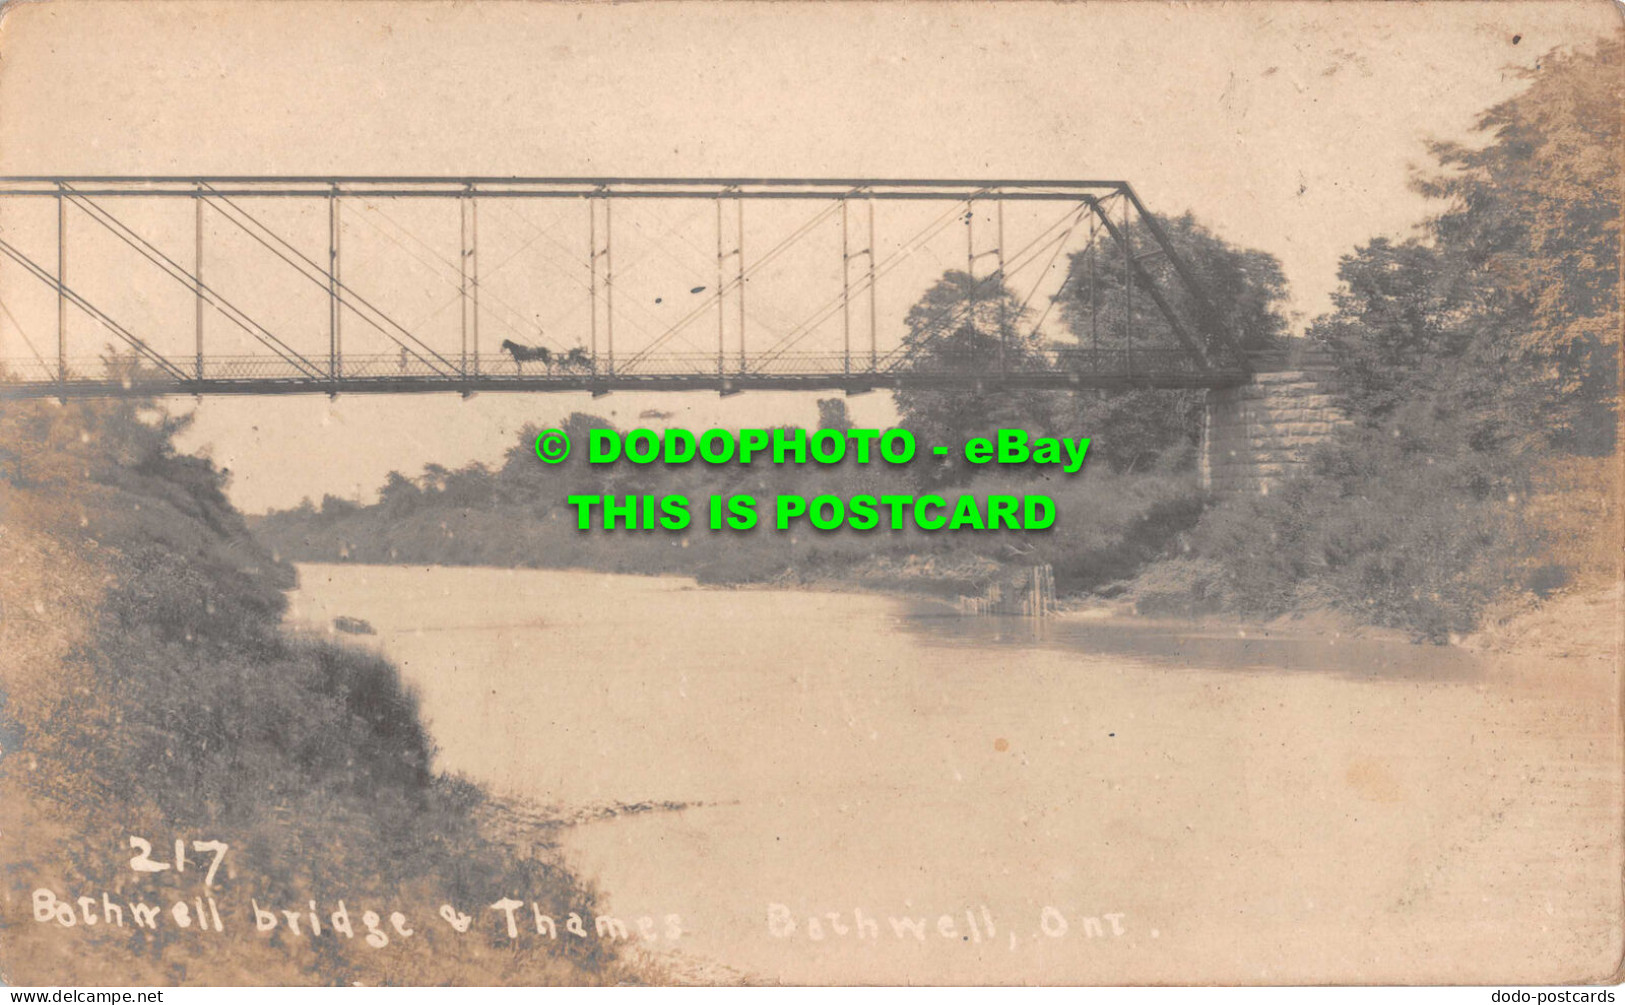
(340, 320)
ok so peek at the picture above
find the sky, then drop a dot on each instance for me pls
(1287, 127)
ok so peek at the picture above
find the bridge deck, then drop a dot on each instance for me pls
(1063, 369)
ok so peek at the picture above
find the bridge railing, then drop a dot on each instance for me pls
(1056, 367)
(1064, 359)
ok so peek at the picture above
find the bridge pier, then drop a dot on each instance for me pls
(1257, 435)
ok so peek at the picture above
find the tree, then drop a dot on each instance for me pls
(1242, 288)
(334, 507)
(399, 496)
(523, 478)
(1533, 223)
(832, 414)
(470, 485)
(1469, 357)
(434, 478)
(1400, 315)
(967, 325)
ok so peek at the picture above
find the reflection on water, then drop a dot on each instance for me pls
(1168, 643)
(1248, 808)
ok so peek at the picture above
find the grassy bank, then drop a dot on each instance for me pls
(148, 691)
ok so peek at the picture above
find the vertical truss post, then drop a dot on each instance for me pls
(62, 291)
(739, 210)
(720, 302)
(592, 278)
(609, 282)
(474, 277)
(846, 295)
(462, 277)
(874, 348)
(970, 246)
(197, 277)
(1004, 328)
(333, 364)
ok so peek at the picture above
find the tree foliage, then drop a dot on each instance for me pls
(979, 325)
(1509, 305)
(1238, 289)
(1242, 290)
(1472, 358)
(1399, 318)
(976, 326)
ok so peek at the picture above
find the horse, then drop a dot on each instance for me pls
(525, 353)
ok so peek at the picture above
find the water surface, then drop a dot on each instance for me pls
(1244, 809)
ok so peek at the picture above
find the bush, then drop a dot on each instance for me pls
(1181, 587)
(1405, 526)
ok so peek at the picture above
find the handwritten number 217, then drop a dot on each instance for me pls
(144, 862)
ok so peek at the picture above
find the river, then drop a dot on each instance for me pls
(875, 791)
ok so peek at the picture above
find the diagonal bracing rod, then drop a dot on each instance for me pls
(146, 249)
(1145, 277)
(67, 295)
(322, 278)
(1208, 319)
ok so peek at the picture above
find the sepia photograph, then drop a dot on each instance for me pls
(901, 493)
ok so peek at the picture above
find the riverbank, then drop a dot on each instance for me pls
(1577, 621)
(1582, 622)
(279, 790)
(1585, 624)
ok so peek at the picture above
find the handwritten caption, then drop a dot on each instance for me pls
(201, 913)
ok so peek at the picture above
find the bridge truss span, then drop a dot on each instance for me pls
(129, 286)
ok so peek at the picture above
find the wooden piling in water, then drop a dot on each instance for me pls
(1034, 599)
